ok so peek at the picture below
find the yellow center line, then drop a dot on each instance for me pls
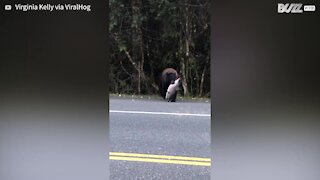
(160, 159)
(159, 156)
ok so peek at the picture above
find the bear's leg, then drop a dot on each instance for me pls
(174, 97)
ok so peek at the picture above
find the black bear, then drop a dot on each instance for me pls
(168, 76)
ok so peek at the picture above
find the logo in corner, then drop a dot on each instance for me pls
(290, 8)
(294, 8)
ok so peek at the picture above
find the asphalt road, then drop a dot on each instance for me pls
(154, 139)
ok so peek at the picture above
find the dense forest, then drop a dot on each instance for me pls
(148, 36)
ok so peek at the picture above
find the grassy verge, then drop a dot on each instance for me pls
(157, 97)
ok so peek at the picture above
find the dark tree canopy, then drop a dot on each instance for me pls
(148, 36)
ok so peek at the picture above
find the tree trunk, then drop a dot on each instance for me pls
(185, 47)
(201, 81)
(184, 78)
(137, 48)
